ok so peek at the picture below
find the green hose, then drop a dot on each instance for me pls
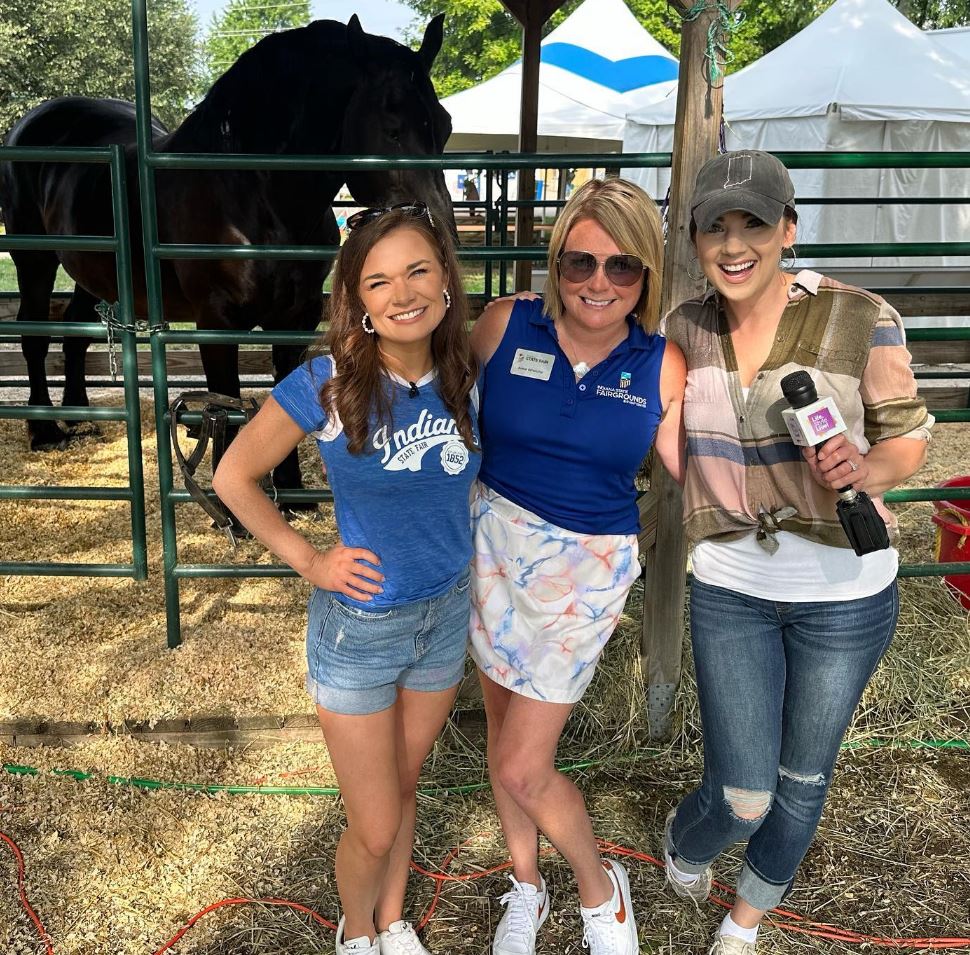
(155, 784)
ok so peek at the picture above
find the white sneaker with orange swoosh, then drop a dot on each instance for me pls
(526, 908)
(610, 928)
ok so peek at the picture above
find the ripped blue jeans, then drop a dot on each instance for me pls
(777, 685)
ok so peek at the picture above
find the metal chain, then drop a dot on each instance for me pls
(717, 55)
(108, 314)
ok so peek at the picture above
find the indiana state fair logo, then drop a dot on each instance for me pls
(404, 450)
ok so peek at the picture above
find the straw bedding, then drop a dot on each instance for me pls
(116, 870)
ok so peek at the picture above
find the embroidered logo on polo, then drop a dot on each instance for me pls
(404, 449)
(625, 379)
(625, 396)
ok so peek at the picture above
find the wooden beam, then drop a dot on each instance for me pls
(696, 128)
(532, 14)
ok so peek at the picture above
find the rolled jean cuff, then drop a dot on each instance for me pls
(757, 891)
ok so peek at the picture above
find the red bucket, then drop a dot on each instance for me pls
(952, 519)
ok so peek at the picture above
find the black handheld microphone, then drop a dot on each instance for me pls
(811, 421)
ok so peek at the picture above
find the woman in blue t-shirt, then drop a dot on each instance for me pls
(576, 387)
(391, 408)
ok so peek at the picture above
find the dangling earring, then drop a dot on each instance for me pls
(693, 267)
(367, 325)
(447, 300)
(787, 260)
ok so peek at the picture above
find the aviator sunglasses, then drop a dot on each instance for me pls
(622, 269)
(415, 210)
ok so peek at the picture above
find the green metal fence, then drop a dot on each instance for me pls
(124, 329)
(149, 161)
(161, 336)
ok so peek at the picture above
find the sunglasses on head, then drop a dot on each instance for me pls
(622, 269)
(413, 209)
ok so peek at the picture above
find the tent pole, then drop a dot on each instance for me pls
(699, 108)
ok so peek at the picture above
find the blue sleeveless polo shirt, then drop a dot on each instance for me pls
(569, 450)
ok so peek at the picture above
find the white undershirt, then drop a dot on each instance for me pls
(800, 570)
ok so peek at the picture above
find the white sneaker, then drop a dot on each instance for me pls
(732, 945)
(610, 928)
(355, 946)
(698, 890)
(526, 908)
(400, 939)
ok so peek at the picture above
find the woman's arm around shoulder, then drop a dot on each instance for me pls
(256, 450)
(671, 440)
(487, 333)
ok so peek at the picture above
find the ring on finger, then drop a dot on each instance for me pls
(853, 466)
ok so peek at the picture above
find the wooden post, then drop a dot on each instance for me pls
(696, 131)
(532, 14)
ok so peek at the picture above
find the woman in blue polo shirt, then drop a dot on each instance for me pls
(576, 387)
(391, 408)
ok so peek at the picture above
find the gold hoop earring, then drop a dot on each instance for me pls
(694, 262)
(787, 261)
(367, 324)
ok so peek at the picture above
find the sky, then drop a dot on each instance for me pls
(386, 17)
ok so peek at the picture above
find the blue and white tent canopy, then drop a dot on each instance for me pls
(598, 65)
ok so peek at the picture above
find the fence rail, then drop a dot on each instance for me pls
(495, 232)
(118, 244)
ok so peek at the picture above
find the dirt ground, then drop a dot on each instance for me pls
(117, 869)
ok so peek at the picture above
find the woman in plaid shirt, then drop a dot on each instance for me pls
(787, 623)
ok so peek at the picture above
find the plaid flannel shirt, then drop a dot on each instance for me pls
(744, 473)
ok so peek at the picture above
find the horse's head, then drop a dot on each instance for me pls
(393, 111)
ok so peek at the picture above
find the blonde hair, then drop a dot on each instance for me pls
(631, 218)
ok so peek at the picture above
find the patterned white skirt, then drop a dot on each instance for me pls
(544, 600)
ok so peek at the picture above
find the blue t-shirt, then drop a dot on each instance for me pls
(569, 450)
(406, 496)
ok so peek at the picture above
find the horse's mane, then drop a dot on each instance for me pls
(260, 102)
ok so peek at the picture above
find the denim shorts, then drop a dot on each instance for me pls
(357, 659)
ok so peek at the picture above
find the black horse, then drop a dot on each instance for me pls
(324, 89)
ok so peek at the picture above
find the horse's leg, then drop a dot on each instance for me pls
(36, 272)
(81, 309)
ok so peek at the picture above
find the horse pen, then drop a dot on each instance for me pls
(178, 799)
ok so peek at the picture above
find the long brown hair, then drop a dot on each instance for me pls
(358, 391)
(631, 219)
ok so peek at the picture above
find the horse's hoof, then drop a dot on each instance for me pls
(47, 436)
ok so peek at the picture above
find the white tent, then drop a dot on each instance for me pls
(596, 66)
(861, 77)
(955, 39)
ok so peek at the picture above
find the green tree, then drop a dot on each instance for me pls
(54, 48)
(936, 14)
(242, 24)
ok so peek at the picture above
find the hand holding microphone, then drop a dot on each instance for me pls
(836, 463)
(815, 425)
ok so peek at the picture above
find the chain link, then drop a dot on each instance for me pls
(107, 312)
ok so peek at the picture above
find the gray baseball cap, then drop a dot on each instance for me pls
(748, 180)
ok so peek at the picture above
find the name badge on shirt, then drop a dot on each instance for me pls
(532, 364)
